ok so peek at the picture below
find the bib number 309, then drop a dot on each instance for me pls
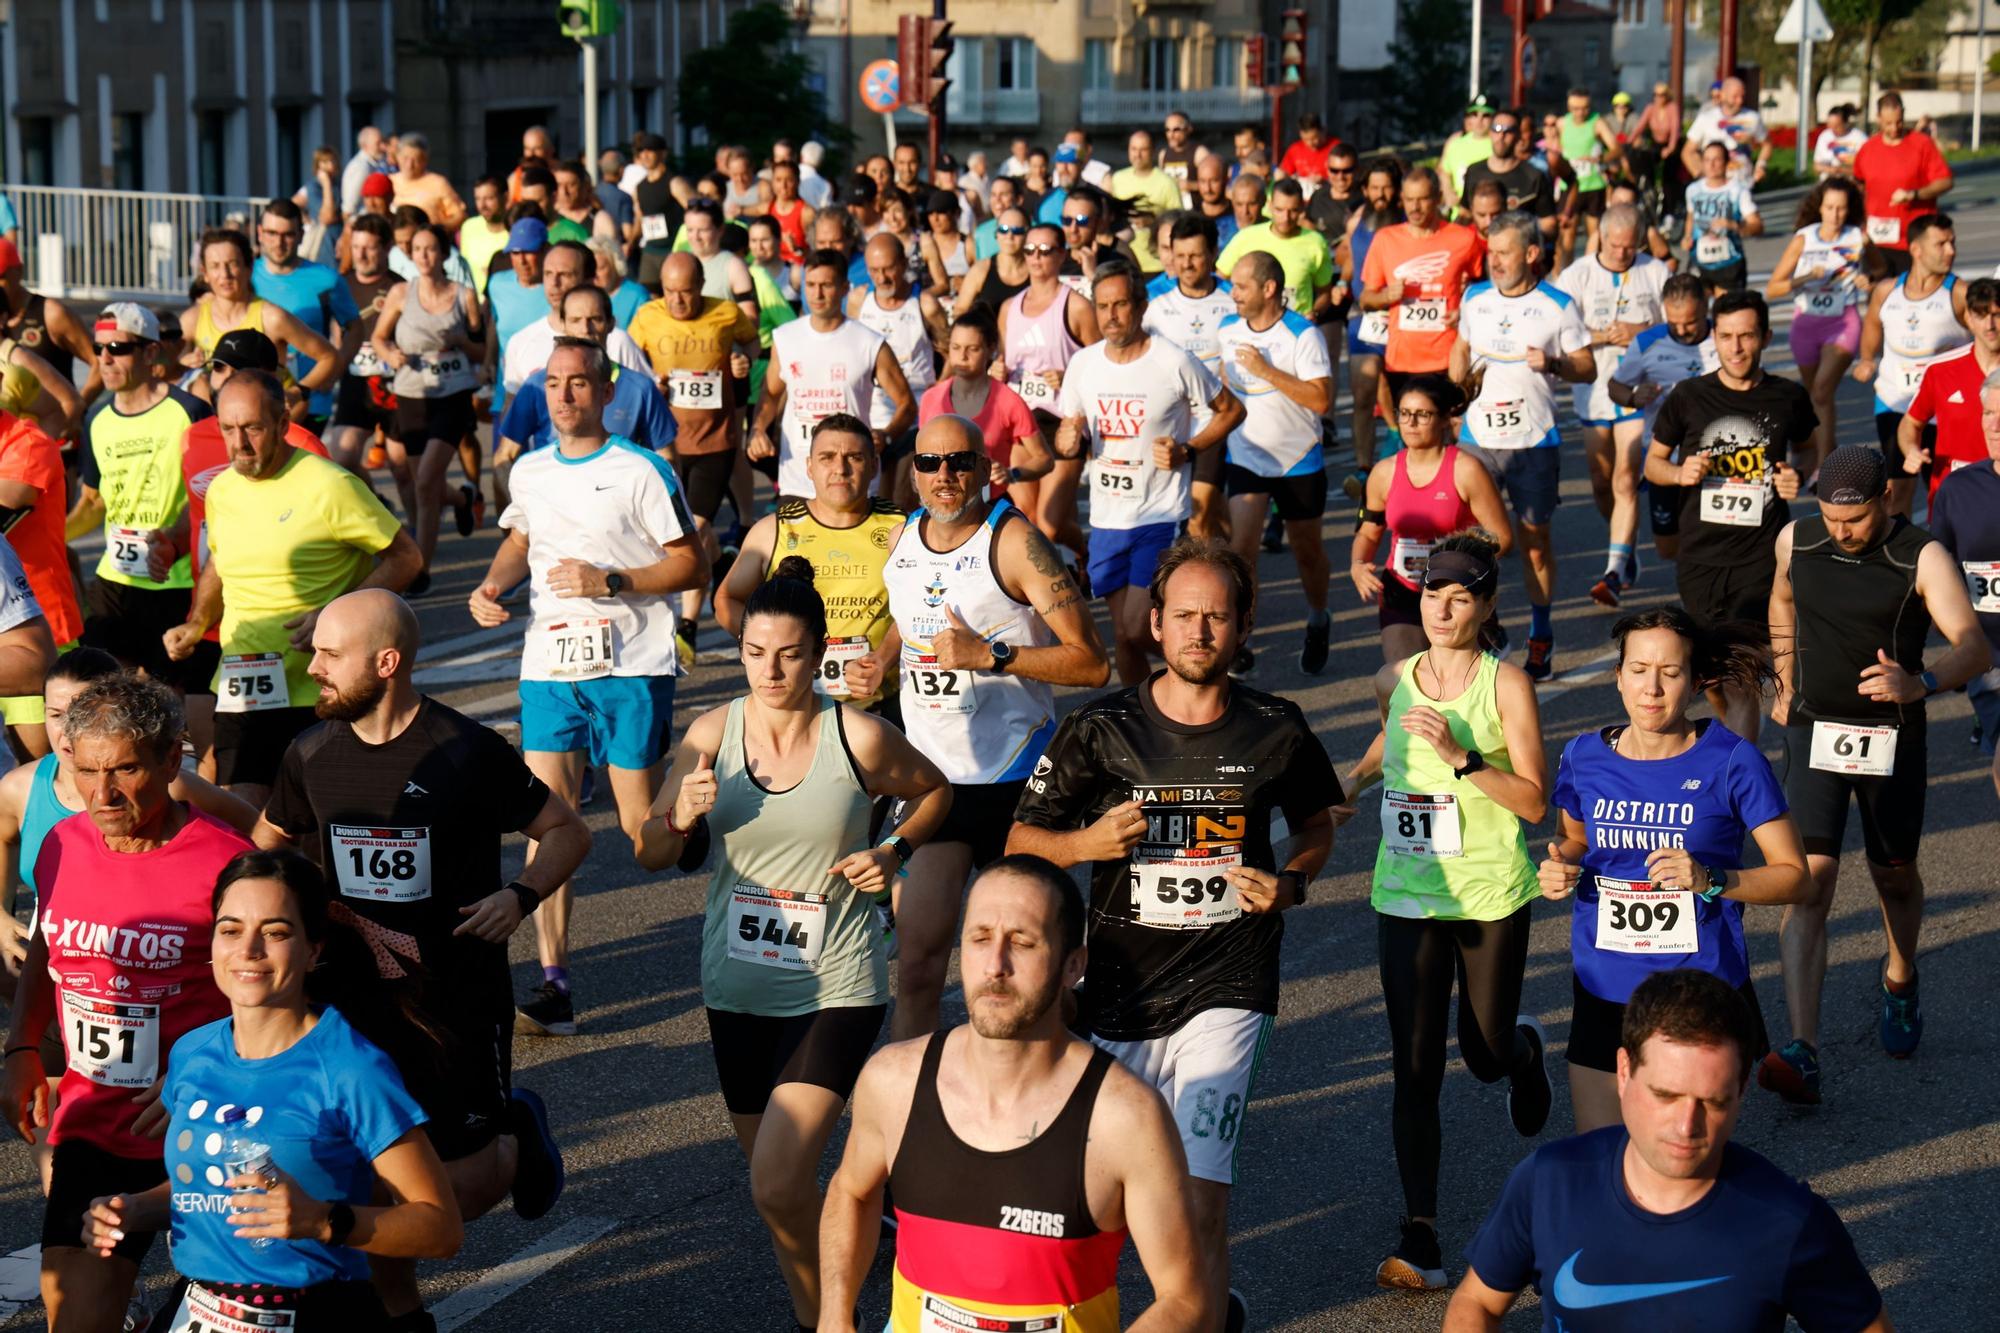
(1638, 918)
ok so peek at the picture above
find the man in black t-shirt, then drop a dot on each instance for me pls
(1526, 185)
(403, 803)
(1170, 788)
(658, 208)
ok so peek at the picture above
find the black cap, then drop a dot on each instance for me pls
(945, 162)
(1476, 574)
(942, 201)
(1853, 474)
(247, 349)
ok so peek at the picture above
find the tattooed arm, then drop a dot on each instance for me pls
(1030, 571)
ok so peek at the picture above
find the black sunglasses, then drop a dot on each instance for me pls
(117, 349)
(964, 461)
(1082, 220)
(1010, 231)
(1041, 249)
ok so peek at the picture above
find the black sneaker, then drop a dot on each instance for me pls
(1416, 1264)
(1312, 654)
(1530, 1095)
(550, 1014)
(538, 1170)
(1237, 1317)
(461, 508)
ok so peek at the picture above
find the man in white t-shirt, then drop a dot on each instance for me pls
(1835, 145)
(565, 265)
(1728, 121)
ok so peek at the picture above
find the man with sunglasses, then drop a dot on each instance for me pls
(312, 292)
(991, 619)
(1525, 185)
(1086, 239)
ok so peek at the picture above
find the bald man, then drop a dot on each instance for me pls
(403, 802)
(915, 326)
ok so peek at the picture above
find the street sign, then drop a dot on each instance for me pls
(881, 87)
(1804, 15)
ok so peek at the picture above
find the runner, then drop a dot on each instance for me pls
(1721, 212)
(992, 1231)
(1368, 331)
(1660, 883)
(1737, 127)
(599, 665)
(30, 387)
(1587, 145)
(794, 971)
(1418, 270)
(43, 324)
(1821, 271)
(364, 405)
(121, 953)
(1016, 447)
(1306, 256)
(403, 803)
(820, 365)
(1527, 187)
(33, 508)
(1041, 328)
(310, 292)
(1456, 492)
(1617, 292)
(1132, 401)
(1461, 764)
(1722, 440)
(1516, 338)
(1152, 193)
(1188, 310)
(1904, 176)
(562, 266)
(1963, 519)
(231, 303)
(1678, 348)
(1470, 145)
(637, 409)
(1187, 887)
(661, 211)
(916, 326)
(995, 279)
(482, 239)
(1851, 690)
(515, 299)
(1277, 363)
(1836, 144)
(1663, 1211)
(1912, 321)
(991, 620)
(1942, 431)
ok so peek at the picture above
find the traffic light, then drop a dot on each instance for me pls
(1253, 59)
(941, 47)
(1292, 48)
(590, 18)
(913, 61)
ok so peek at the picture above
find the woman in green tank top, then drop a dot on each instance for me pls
(780, 784)
(1462, 767)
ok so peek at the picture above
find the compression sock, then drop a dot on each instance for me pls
(1540, 624)
(557, 977)
(1618, 559)
(1318, 618)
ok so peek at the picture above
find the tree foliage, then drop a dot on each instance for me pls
(1874, 41)
(1427, 67)
(755, 88)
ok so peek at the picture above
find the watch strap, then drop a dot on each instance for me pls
(527, 897)
(339, 1223)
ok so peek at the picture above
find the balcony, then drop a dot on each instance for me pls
(985, 107)
(1148, 106)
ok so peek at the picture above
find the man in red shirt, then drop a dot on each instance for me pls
(1306, 158)
(1949, 394)
(31, 515)
(1420, 270)
(1902, 175)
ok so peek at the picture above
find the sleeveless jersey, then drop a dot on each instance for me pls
(1516, 406)
(1848, 606)
(976, 726)
(782, 937)
(848, 565)
(1832, 292)
(1914, 334)
(1190, 322)
(791, 230)
(1448, 850)
(1605, 298)
(35, 336)
(1419, 517)
(823, 373)
(999, 1240)
(1035, 343)
(903, 329)
(207, 333)
(1583, 151)
(436, 368)
(43, 812)
(368, 298)
(995, 291)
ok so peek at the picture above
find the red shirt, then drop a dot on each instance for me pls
(1305, 162)
(1882, 170)
(1949, 395)
(1004, 419)
(128, 939)
(33, 459)
(203, 459)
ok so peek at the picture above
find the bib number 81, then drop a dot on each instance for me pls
(1414, 823)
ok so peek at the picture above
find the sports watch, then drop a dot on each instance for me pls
(1474, 761)
(900, 845)
(615, 584)
(1003, 654)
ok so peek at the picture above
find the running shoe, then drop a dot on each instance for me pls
(1237, 1317)
(1530, 1095)
(377, 457)
(1541, 663)
(550, 1014)
(461, 508)
(419, 585)
(1355, 485)
(1244, 662)
(1605, 591)
(684, 645)
(1417, 1263)
(1792, 1073)
(1312, 654)
(538, 1173)
(1274, 532)
(1902, 1021)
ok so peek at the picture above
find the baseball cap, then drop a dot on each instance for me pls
(378, 186)
(127, 318)
(1853, 474)
(1065, 153)
(528, 236)
(247, 349)
(1617, 98)
(946, 162)
(942, 201)
(1479, 106)
(10, 255)
(645, 141)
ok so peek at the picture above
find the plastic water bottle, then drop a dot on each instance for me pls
(244, 1156)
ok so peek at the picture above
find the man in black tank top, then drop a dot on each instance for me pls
(43, 326)
(1006, 1135)
(1857, 592)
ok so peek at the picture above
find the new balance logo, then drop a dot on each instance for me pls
(1692, 784)
(412, 789)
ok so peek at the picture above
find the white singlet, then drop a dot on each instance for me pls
(903, 329)
(823, 373)
(1914, 334)
(1605, 298)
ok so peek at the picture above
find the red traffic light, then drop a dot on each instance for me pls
(1253, 60)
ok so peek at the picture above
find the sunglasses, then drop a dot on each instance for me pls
(1041, 249)
(1340, 171)
(1083, 221)
(117, 349)
(1010, 231)
(965, 461)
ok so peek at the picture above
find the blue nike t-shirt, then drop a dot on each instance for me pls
(637, 410)
(1757, 1247)
(1704, 800)
(319, 298)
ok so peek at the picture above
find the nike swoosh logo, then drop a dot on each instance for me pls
(600, 488)
(1573, 1293)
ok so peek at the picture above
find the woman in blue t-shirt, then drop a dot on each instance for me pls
(288, 1070)
(1653, 818)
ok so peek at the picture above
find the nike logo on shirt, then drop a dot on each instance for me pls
(1573, 1293)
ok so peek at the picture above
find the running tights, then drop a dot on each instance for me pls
(1419, 959)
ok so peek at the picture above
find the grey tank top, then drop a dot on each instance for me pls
(433, 371)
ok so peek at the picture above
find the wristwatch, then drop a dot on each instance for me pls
(1299, 880)
(615, 584)
(1003, 654)
(1929, 681)
(339, 1224)
(1474, 761)
(528, 898)
(900, 845)
(1718, 883)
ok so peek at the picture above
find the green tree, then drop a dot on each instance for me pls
(1874, 41)
(754, 88)
(1427, 66)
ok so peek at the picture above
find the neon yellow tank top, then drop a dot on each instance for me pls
(848, 565)
(207, 335)
(18, 386)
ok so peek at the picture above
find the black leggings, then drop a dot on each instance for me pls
(1419, 958)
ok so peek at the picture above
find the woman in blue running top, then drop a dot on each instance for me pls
(1653, 817)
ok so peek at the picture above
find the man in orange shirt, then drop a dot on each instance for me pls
(1419, 269)
(32, 508)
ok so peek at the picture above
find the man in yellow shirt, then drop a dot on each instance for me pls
(288, 532)
(415, 183)
(1150, 191)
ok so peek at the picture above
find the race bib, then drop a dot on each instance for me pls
(933, 689)
(775, 928)
(694, 390)
(202, 1311)
(1714, 249)
(1867, 752)
(938, 1315)
(1409, 559)
(1824, 303)
(1420, 824)
(366, 362)
(1885, 231)
(1982, 584)
(1911, 376)
(436, 369)
(252, 682)
(578, 649)
(1119, 470)
(127, 547)
(383, 865)
(1037, 392)
(1186, 891)
(653, 227)
(1733, 502)
(112, 1043)
(1426, 316)
(832, 678)
(1635, 917)
(1501, 424)
(1374, 327)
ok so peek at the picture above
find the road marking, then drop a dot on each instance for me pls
(504, 1279)
(1580, 675)
(20, 1279)
(432, 653)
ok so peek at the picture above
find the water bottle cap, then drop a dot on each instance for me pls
(232, 1115)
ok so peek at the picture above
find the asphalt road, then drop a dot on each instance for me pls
(657, 1228)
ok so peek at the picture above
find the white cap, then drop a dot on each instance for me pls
(129, 318)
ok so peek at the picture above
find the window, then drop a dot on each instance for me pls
(213, 152)
(1228, 68)
(1015, 64)
(1591, 52)
(1096, 63)
(128, 151)
(38, 150)
(642, 108)
(289, 126)
(1161, 71)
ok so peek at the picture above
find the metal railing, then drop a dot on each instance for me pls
(983, 107)
(105, 245)
(1149, 106)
